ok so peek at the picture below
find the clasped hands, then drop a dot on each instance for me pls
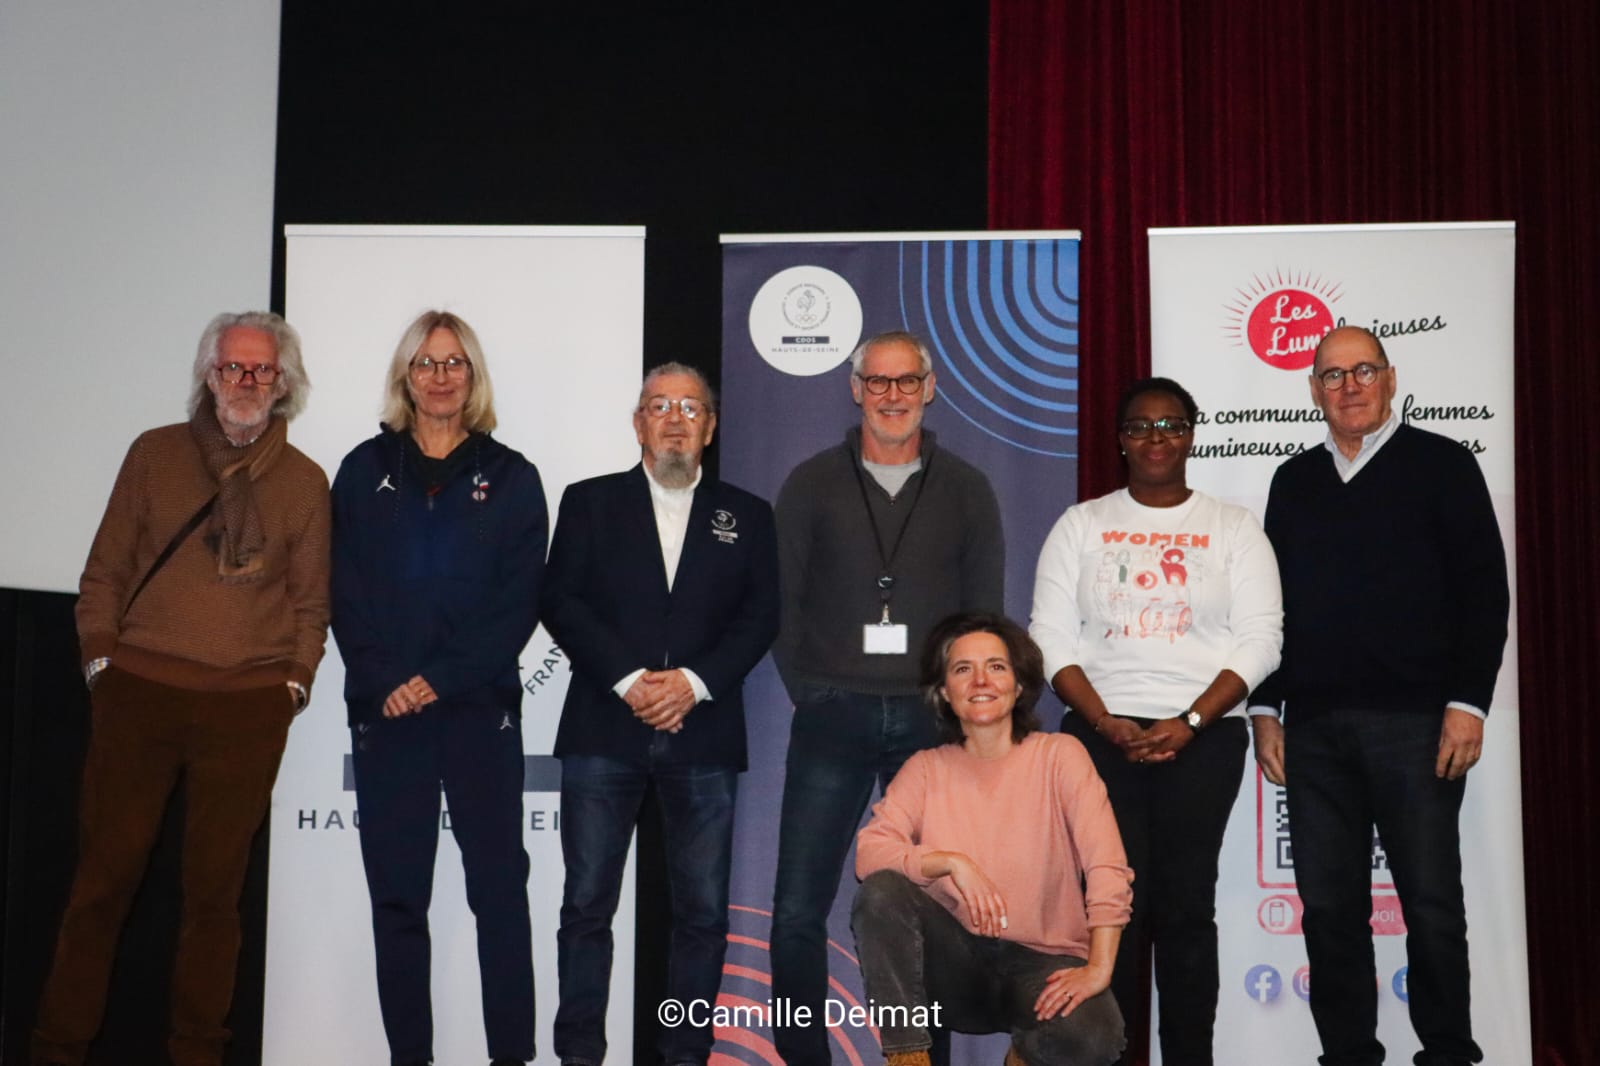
(661, 699)
(409, 698)
(1159, 743)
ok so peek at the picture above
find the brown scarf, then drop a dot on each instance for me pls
(234, 531)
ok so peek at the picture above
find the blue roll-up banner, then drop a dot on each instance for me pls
(1000, 313)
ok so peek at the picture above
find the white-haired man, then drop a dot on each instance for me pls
(662, 589)
(202, 614)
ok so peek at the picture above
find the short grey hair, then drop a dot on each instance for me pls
(292, 388)
(400, 410)
(669, 369)
(893, 336)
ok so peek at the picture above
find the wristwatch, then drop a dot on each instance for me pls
(1192, 719)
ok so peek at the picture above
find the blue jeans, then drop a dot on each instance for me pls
(840, 744)
(476, 753)
(600, 799)
(1349, 771)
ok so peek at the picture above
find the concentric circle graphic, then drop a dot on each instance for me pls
(1002, 319)
(747, 995)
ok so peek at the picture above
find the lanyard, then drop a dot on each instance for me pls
(886, 574)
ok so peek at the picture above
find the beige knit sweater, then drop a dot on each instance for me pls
(189, 628)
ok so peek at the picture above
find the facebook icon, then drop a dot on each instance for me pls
(1402, 992)
(1262, 983)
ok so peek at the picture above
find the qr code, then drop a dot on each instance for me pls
(1283, 848)
(1283, 851)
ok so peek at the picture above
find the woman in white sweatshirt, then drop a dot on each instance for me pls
(1158, 609)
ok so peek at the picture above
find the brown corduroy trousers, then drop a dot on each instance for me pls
(226, 746)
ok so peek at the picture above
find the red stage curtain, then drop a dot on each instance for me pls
(1114, 117)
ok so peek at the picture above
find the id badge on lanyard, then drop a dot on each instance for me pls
(884, 637)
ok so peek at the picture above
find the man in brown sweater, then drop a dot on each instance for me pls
(202, 613)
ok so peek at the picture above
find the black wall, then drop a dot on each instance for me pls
(689, 119)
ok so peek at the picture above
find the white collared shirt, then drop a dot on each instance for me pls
(671, 507)
(1370, 443)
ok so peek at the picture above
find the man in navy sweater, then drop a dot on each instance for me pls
(662, 589)
(1395, 605)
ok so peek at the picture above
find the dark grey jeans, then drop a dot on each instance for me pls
(915, 953)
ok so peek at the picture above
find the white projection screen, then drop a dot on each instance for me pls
(136, 142)
(560, 313)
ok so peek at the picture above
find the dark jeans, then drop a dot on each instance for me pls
(226, 746)
(475, 752)
(840, 744)
(600, 801)
(914, 953)
(1172, 816)
(1347, 772)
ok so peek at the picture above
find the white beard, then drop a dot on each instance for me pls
(243, 433)
(675, 470)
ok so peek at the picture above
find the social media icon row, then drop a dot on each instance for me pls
(1263, 983)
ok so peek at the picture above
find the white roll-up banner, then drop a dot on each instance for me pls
(1235, 317)
(560, 313)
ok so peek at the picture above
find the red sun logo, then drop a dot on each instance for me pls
(1282, 318)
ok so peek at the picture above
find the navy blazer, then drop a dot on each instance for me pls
(607, 604)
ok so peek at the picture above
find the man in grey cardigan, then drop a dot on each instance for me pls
(878, 539)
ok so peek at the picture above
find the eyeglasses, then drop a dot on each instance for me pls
(1364, 374)
(1171, 428)
(661, 407)
(260, 374)
(454, 365)
(878, 384)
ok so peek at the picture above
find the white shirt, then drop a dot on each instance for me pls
(671, 507)
(1349, 468)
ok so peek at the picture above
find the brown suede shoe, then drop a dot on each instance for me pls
(908, 1058)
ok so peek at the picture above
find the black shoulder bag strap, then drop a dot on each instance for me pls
(172, 546)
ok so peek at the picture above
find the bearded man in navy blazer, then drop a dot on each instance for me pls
(662, 589)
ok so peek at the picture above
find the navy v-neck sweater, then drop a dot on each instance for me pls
(1394, 583)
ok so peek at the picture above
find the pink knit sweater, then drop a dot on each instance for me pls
(1036, 821)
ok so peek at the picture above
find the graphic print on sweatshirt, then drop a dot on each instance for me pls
(1145, 583)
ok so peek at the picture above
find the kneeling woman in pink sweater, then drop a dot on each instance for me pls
(994, 883)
